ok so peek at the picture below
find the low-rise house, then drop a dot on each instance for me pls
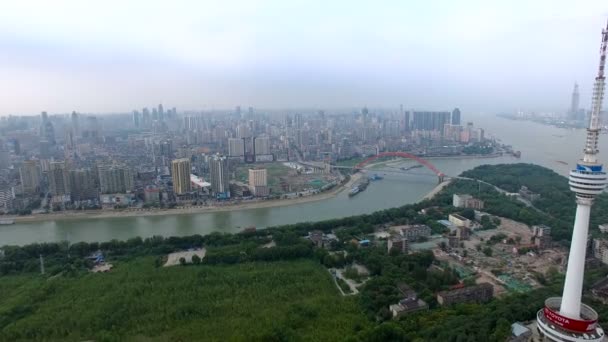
(405, 290)
(520, 333)
(413, 232)
(398, 243)
(321, 239)
(463, 233)
(467, 201)
(459, 220)
(409, 303)
(542, 236)
(600, 250)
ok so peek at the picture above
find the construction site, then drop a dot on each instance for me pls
(291, 177)
(504, 257)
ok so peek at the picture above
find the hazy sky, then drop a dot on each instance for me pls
(109, 56)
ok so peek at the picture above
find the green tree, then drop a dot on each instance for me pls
(468, 213)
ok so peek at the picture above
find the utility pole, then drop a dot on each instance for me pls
(41, 265)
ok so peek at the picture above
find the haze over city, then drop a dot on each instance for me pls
(115, 56)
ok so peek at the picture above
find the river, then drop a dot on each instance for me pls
(539, 144)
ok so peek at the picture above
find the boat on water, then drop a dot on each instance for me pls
(363, 185)
(411, 167)
(376, 177)
(5, 222)
(358, 188)
(561, 162)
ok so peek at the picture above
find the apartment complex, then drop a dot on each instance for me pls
(398, 243)
(467, 201)
(115, 179)
(413, 232)
(180, 174)
(258, 182)
(220, 177)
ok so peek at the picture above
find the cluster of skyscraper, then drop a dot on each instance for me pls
(160, 156)
(153, 120)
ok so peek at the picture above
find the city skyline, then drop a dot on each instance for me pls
(275, 55)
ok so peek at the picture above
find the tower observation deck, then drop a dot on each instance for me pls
(566, 318)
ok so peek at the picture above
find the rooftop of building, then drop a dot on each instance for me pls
(467, 289)
(518, 329)
(462, 218)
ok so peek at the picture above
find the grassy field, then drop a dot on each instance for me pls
(275, 301)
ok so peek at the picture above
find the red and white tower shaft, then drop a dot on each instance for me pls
(587, 181)
(566, 318)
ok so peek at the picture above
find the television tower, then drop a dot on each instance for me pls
(566, 318)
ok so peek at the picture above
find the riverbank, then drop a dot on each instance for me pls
(250, 205)
(437, 189)
(100, 214)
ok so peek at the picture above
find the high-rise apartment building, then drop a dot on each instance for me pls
(258, 182)
(82, 185)
(76, 124)
(220, 176)
(59, 182)
(430, 121)
(180, 173)
(407, 121)
(243, 131)
(30, 175)
(47, 131)
(456, 116)
(161, 113)
(136, 119)
(145, 116)
(236, 147)
(262, 145)
(115, 179)
(574, 103)
(298, 123)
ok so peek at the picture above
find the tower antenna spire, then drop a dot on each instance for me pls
(591, 146)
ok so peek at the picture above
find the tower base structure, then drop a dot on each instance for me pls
(554, 326)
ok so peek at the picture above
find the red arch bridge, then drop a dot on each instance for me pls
(424, 162)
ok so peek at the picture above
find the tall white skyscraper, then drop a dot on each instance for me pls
(574, 103)
(219, 176)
